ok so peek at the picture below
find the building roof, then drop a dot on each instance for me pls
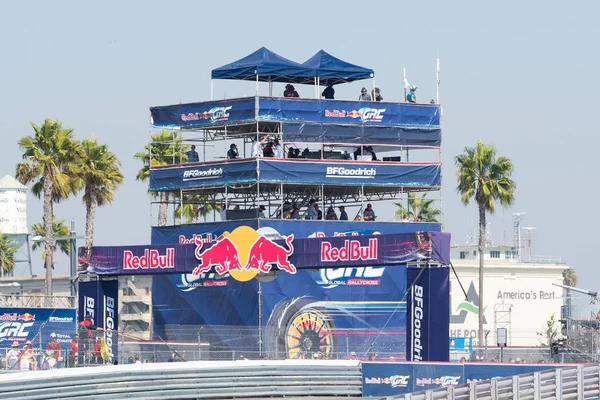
(8, 182)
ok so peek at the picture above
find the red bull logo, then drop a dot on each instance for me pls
(243, 254)
(8, 317)
(351, 251)
(151, 259)
(27, 317)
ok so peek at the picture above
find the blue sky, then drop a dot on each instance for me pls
(521, 75)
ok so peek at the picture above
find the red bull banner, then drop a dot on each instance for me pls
(243, 253)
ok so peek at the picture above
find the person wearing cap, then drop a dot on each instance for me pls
(86, 338)
(411, 97)
(369, 214)
(12, 356)
(376, 93)
(343, 213)
(232, 153)
(28, 361)
(353, 355)
(257, 146)
(364, 96)
(54, 345)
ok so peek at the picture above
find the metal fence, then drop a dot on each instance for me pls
(197, 380)
(34, 301)
(582, 382)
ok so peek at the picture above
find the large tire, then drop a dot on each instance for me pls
(297, 330)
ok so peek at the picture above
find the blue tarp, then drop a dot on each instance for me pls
(332, 70)
(269, 66)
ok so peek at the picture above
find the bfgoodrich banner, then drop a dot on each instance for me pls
(100, 300)
(428, 319)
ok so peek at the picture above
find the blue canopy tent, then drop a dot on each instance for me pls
(332, 70)
(265, 66)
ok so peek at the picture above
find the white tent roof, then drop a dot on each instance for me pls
(8, 182)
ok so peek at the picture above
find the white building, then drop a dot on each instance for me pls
(520, 297)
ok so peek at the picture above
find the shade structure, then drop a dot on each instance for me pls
(332, 70)
(267, 66)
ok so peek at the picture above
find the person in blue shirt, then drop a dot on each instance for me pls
(411, 97)
(192, 155)
(232, 152)
(343, 214)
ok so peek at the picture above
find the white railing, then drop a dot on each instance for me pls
(37, 301)
(580, 383)
(189, 380)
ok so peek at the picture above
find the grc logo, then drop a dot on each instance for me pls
(244, 253)
(371, 114)
(399, 380)
(417, 319)
(215, 114)
(330, 278)
(151, 259)
(14, 330)
(449, 380)
(351, 251)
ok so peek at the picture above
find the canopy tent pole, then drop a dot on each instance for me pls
(212, 89)
(316, 89)
(270, 88)
(256, 83)
(373, 91)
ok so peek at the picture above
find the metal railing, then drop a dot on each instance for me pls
(581, 383)
(197, 380)
(37, 301)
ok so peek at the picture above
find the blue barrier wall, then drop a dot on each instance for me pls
(392, 379)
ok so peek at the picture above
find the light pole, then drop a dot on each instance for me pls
(72, 238)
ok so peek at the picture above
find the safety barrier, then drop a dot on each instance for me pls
(189, 380)
(581, 383)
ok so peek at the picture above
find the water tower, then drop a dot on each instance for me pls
(13, 214)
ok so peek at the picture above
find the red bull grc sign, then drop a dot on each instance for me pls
(244, 253)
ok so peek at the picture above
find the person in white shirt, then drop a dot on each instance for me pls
(223, 211)
(277, 149)
(257, 146)
(12, 356)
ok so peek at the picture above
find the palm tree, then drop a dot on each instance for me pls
(101, 176)
(487, 179)
(51, 157)
(59, 230)
(570, 277)
(164, 149)
(194, 206)
(418, 207)
(8, 252)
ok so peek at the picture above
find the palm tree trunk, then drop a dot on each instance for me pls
(90, 215)
(48, 214)
(481, 254)
(162, 209)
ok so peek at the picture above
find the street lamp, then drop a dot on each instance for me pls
(72, 238)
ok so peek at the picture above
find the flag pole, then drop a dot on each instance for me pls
(404, 82)
(437, 83)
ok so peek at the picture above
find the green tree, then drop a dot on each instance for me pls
(52, 160)
(101, 175)
(60, 229)
(418, 207)
(195, 206)
(8, 252)
(164, 149)
(569, 277)
(486, 178)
